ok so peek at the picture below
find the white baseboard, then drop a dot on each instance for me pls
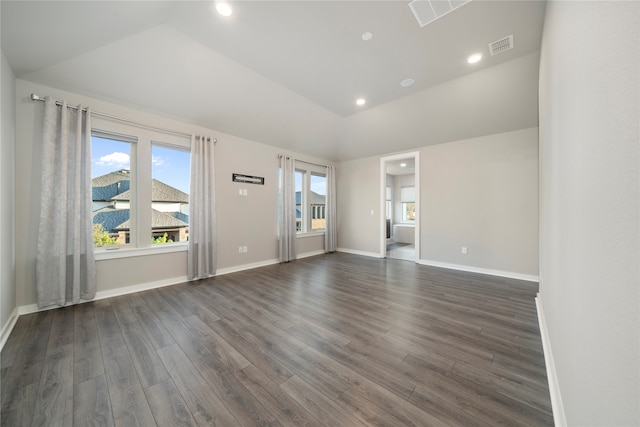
(310, 254)
(243, 267)
(559, 417)
(352, 251)
(32, 308)
(471, 269)
(8, 327)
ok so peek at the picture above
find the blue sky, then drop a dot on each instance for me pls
(170, 166)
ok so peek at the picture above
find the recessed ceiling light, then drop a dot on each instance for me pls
(224, 8)
(472, 59)
(367, 36)
(403, 165)
(361, 101)
(407, 82)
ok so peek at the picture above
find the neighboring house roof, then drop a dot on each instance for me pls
(116, 186)
(106, 187)
(111, 178)
(316, 199)
(162, 192)
(111, 218)
(114, 220)
(158, 220)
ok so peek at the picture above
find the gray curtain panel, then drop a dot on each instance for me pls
(201, 258)
(65, 265)
(287, 210)
(331, 229)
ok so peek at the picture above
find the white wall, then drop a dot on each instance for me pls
(589, 209)
(358, 194)
(242, 221)
(481, 193)
(7, 182)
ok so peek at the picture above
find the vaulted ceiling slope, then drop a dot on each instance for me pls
(287, 73)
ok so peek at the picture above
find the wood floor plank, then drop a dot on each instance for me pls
(148, 365)
(62, 328)
(54, 401)
(167, 405)
(225, 353)
(156, 332)
(91, 403)
(87, 353)
(14, 341)
(18, 409)
(128, 402)
(324, 409)
(246, 409)
(272, 397)
(109, 332)
(173, 323)
(27, 368)
(335, 339)
(206, 407)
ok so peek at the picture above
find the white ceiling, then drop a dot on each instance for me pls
(287, 73)
(395, 167)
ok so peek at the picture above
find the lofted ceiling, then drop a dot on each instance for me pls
(287, 73)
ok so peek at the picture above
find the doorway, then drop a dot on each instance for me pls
(400, 194)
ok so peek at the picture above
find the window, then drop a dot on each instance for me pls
(408, 199)
(311, 192)
(140, 188)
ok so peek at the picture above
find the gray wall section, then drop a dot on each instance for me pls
(481, 193)
(589, 207)
(7, 189)
(358, 195)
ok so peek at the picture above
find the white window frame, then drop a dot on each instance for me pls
(141, 179)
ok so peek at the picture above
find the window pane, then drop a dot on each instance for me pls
(409, 211)
(317, 200)
(169, 194)
(111, 190)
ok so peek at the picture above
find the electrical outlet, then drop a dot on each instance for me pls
(464, 250)
(244, 249)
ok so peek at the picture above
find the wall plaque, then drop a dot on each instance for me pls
(248, 179)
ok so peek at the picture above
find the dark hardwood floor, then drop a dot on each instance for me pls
(335, 340)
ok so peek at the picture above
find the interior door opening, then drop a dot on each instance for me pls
(400, 230)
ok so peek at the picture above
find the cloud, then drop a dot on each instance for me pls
(157, 161)
(118, 159)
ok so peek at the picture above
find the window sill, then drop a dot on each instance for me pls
(124, 252)
(310, 234)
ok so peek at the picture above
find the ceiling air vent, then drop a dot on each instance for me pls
(501, 45)
(427, 11)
